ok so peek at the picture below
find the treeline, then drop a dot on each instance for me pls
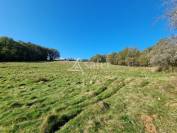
(163, 54)
(11, 50)
(128, 57)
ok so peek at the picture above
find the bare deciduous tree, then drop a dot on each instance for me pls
(171, 12)
(164, 54)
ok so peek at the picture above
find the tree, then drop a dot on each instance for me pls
(132, 57)
(143, 59)
(11, 50)
(164, 54)
(171, 12)
(111, 58)
(53, 54)
(98, 58)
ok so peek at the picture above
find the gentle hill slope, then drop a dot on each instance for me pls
(108, 99)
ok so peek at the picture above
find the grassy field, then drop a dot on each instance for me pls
(46, 97)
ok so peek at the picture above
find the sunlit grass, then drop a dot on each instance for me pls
(46, 97)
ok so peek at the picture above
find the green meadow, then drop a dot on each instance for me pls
(48, 97)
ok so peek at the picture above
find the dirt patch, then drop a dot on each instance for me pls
(156, 69)
(172, 104)
(174, 83)
(148, 123)
(103, 105)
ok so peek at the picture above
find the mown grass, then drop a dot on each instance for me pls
(45, 97)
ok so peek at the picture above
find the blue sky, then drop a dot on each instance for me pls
(82, 28)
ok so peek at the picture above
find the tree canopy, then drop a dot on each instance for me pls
(171, 12)
(164, 54)
(11, 50)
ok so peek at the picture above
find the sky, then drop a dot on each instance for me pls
(83, 28)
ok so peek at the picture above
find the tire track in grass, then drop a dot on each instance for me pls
(98, 100)
(83, 99)
(54, 122)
